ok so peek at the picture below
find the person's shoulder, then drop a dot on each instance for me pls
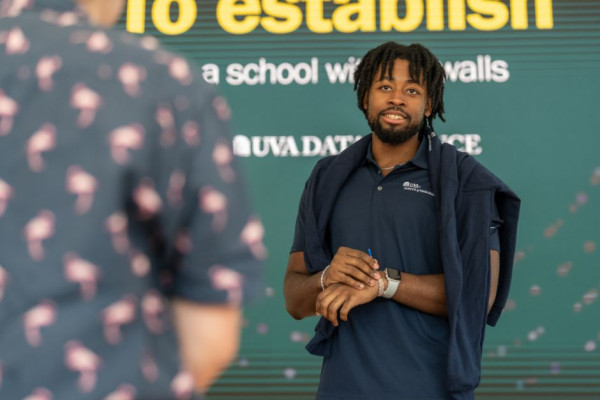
(474, 175)
(471, 174)
(170, 71)
(324, 162)
(320, 167)
(146, 50)
(347, 159)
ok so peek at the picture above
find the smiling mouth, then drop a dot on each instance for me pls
(396, 117)
(394, 114)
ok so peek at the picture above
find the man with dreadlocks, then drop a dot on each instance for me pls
(403, 246)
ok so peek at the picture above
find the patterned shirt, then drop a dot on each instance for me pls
(118, 190)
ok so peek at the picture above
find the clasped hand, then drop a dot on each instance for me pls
(350, 280)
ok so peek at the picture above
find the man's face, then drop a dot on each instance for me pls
(396, 105)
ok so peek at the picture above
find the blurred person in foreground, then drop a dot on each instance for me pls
(127, 246)
(403, 245)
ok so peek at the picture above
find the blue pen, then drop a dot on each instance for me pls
(375, 275)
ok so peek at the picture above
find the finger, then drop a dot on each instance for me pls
(360, 260)
(355, 267)
(333, 308)
(319, 305)
(359, 280)
(364, 274)
(323, 300)
(354, 253)
(345, 310)
(327, 306)
(358, 271)
(345, 275)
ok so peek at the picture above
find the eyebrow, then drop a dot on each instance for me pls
(391, 79)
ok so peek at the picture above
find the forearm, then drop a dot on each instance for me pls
(427, 293)
(209, 338)
(300, 292)
(424, 293)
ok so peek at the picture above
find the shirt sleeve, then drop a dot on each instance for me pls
(213, 242)
(300, 229)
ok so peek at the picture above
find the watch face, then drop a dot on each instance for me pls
(393, 274)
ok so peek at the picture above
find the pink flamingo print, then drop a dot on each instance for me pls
(214, 202)
(16, 42)
(124, 139)
(191, 133)
(153, 308)
(183, 242)
(180, 70)
(149, 43)
(223, 278)
(87, 102)
(222, 108)
(3, 281)
(252, 235)
(83, 185)
(84, 361)
(16, 6)
(131, 76)
(223, 156)
(175, 190)
(43, 140)
(166, 120)
(123, 392)
(147, 199)
(116, 315)
(99, 42)
(116, 225)
(40, 316)
(45, 70)
(8, 110)
(6, 192)
(61, 19)
(182, 385)
(36, 231)
(40, 394)
(149, 368)
(82, 272)
(140, 264)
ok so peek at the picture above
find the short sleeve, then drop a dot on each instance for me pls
(300, 229)
(214, 241)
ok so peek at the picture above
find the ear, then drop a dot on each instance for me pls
(366, 100)
(428, 107)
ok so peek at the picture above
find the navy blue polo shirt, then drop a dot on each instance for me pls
(387, 350)
(401, 352)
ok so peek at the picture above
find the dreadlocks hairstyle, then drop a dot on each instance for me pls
(423, 64)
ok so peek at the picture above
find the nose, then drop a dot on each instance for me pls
(397, 98)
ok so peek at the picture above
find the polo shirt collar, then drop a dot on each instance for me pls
(419, 160)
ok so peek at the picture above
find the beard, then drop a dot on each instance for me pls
(393, 135)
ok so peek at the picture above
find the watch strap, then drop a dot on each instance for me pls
(392, 286)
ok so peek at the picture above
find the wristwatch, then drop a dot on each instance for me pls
(394, 277)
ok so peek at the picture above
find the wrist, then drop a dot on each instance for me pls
(393, 277)
(382, 285)
(323, 278)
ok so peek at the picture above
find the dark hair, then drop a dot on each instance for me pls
(422, 64)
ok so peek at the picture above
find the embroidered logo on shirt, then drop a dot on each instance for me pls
(415, 187)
